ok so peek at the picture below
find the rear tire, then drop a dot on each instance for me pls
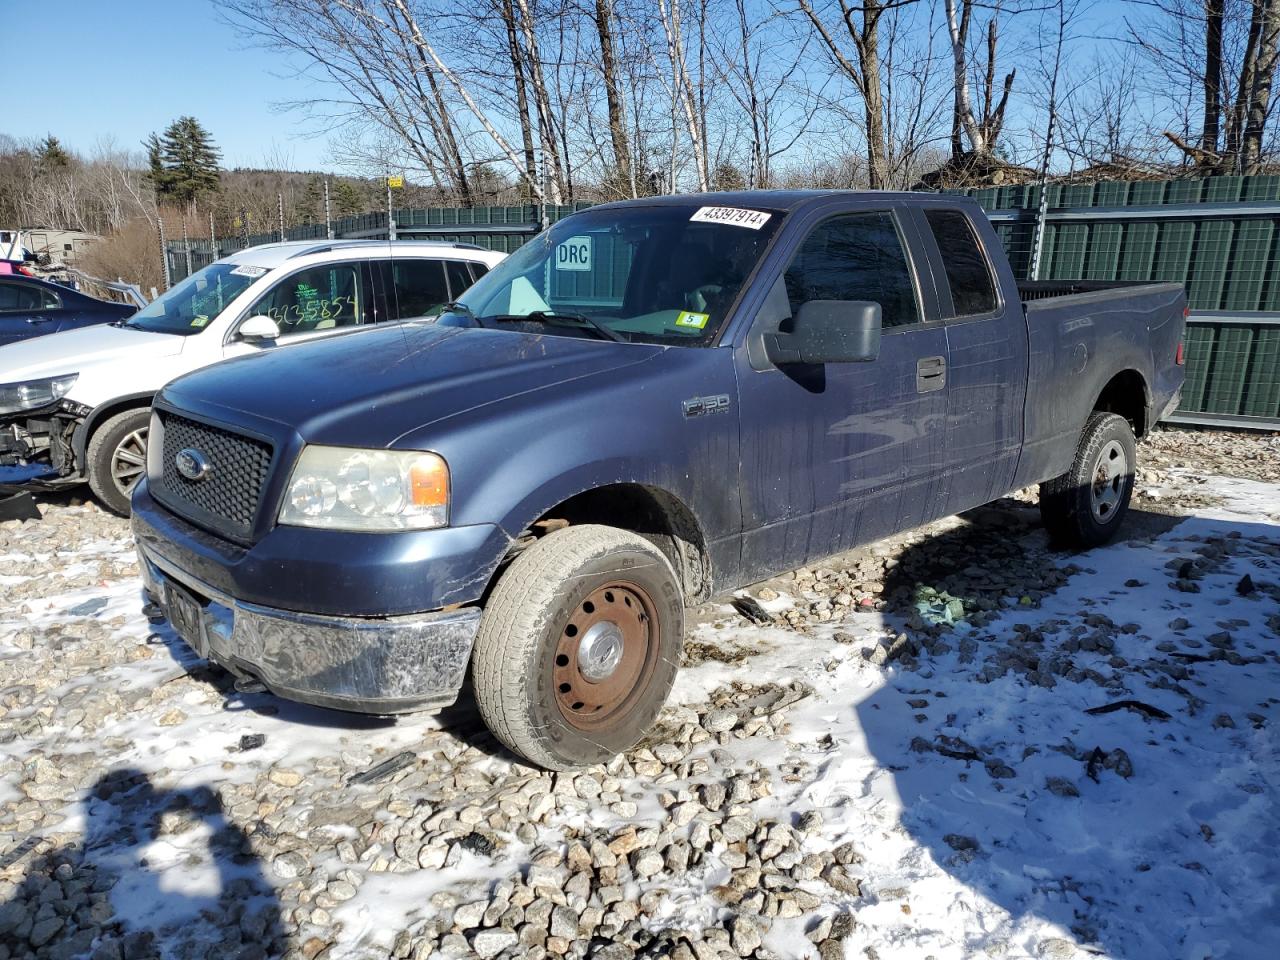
(578, 646)
(1086, 505)
(117, 458)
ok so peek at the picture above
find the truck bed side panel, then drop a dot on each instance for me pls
(1078, 344)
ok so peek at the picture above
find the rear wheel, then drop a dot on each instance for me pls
(578, 646)
(117, 458)
(1086, 505)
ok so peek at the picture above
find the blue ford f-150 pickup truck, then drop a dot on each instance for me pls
(651, 403)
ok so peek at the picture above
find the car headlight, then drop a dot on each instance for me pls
(347, 489)
(34, 393)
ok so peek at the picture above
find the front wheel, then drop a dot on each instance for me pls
(578, 646)
(1086, 505)
(117, 458)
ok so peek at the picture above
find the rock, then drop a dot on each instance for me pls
(490, 943)
(1062, 787)
(959, 842)
(564, 923)
(1119, 761)
(289, 865)
(745, 935)
(720, 721)
(43, 930)
(1055, 948)
(810, 822)
(469, 915)
(284, 778)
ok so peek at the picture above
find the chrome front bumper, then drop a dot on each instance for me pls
(378, 666)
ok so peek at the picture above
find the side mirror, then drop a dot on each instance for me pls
(828, 331)
(257, 328)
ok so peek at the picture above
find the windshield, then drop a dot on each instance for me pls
(658, 274)
(191, 305)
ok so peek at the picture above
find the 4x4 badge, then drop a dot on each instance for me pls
(702, 406)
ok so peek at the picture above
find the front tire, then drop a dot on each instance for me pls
(578, 646)
(117, 458)
(1086, 505)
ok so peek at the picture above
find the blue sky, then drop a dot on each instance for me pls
(92, 68)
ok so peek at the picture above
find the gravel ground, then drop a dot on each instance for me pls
(149, 809)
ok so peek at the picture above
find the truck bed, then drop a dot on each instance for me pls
(1080, 333)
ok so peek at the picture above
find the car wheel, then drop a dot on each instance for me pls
(117, 458)
(1086, 505)
(578, 646)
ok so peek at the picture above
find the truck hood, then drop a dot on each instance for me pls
(72, 351)
(372, 387)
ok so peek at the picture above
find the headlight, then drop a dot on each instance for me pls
(34, 393)
(346, 489)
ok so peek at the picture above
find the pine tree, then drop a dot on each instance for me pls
(346, 199)
(156, 174)
(51, 155)
(190, 160)
(312, 206)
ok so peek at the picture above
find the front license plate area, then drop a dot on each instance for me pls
(186, 616)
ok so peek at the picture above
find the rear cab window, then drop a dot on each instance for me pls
(973, 290)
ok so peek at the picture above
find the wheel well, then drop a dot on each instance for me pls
(100, 415)
(1126, 394)
(650, 512)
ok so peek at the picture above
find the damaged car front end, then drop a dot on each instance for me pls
(37, 429)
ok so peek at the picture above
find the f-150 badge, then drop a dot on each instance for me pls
(702, 406)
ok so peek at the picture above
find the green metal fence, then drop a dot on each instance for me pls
(1219, 236)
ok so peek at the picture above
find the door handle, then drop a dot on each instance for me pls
(931, 374)
(38, 319)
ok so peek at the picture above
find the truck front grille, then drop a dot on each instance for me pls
(227, 497)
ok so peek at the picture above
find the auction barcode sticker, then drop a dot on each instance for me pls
(735, 216)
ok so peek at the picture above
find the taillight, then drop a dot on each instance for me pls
(1178, 359)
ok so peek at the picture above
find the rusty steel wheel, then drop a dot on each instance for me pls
(606, 654)
(578, 646)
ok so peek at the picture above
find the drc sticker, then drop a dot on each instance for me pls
(734, 216)
(199, 321)
(694, 321)
(574, 254)
(248, 271)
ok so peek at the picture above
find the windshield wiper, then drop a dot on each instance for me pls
(552, 316)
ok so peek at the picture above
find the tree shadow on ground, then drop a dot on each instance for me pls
(1138, 838)
(113, 895)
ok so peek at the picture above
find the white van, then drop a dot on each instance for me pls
(75, 406)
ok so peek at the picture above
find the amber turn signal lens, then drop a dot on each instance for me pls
(429, 481)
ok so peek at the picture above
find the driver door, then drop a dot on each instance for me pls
(839, 454)
(313, 302)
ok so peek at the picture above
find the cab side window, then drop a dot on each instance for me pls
(459, 278)
(318, 298)
(24, 297)
(857, 256)
(417, 287)
(973, 290)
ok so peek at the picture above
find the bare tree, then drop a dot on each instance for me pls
(983, 126)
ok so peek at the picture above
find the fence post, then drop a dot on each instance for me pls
(164, 253)
(213, 238)
(328, 219)
(244, 228)
(280, 213)
(391, 220)
(186, 244)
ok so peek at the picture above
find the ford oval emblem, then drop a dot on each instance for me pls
(192, 464)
